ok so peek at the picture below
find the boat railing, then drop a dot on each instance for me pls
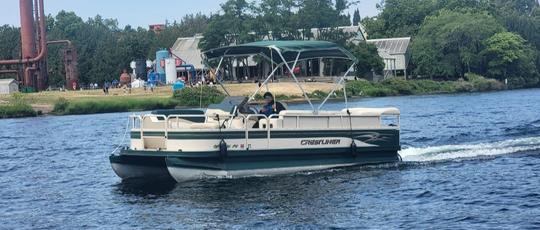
(138, 122)
(268, 128)
(344, 121)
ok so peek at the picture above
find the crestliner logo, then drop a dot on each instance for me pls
(321, 142)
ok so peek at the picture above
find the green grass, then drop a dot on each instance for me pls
(16, 108)
(397, 87)
(197, 96)
(186, 97)
(65, 107)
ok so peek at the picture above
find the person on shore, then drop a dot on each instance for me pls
(106, 87)
(125, 81)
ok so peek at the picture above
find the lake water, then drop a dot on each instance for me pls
(470, 161)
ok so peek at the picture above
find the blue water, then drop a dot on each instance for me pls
(470, 161)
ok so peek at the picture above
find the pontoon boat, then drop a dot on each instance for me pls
(221, 141)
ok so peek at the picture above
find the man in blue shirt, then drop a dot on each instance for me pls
(270, 106)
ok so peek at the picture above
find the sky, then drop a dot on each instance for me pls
(138, 13)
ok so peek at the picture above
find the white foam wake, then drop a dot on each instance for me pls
(449, 152)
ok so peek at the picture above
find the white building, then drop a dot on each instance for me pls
(395, 54)
(8, 86)
(188, 50)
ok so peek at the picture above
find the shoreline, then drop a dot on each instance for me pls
(95, 102)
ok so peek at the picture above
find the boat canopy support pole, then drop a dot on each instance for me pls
(218, 80)
(265, 81)
(340, 82)
(291, 70)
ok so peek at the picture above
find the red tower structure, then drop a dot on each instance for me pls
(32, 64)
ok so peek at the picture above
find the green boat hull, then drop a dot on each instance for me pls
(192, 166)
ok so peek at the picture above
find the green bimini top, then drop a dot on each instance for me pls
(289, 50)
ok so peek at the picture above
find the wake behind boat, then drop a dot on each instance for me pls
(232, 139)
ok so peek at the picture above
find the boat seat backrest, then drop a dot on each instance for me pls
(211, 114)
(372, 111)
(274, 123)
(238, 123)
(152, 122)
(179, 123)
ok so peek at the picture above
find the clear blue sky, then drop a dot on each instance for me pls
(136, 12)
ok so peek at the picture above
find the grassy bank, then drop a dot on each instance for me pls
(106, 105)
(191, 97)
(94, 101)
(16, 107)
(399, 87)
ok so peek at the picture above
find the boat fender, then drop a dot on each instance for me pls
(353, 143)
(353, 148)
(223, 149)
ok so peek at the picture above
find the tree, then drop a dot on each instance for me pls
(9, 47)
(509, 57)
(399, 18)
(215, 34)
(449, 43)
(276, 17)
(356, 18)
(233, 27)
(341, 5)
(368, 59)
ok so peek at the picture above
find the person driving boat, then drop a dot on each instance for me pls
(271, 106)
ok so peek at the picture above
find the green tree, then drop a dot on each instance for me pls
(277, 18)
(510, 57)
(368, 59)
(232, 27)
(449, 43)
(356, 18)
(9, 47)
(399, 18)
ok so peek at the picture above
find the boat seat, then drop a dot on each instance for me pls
(375, 112)
(274, 123)
(238, 123)
(178, 123)
(296, 112)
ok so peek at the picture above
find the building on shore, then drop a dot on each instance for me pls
(395, 54)
(8, 86)
(393, 51)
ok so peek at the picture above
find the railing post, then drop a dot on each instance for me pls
(141, 128)
(166, 128)
(268, 133)
(247, 133)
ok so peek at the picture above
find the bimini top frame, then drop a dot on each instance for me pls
(283, 53)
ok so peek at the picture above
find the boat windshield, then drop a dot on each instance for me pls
(229, 103)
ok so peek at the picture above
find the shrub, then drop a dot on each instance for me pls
(60, 105)
(195, 96)
(481, 83)
(17, 107)
(63, 106)
(318, 94)
(356, 88)
(401, 86)
(380, 92)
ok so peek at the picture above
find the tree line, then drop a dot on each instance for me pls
(498, 39)
(105, 49)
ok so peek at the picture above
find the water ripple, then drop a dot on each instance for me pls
(469, 162)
